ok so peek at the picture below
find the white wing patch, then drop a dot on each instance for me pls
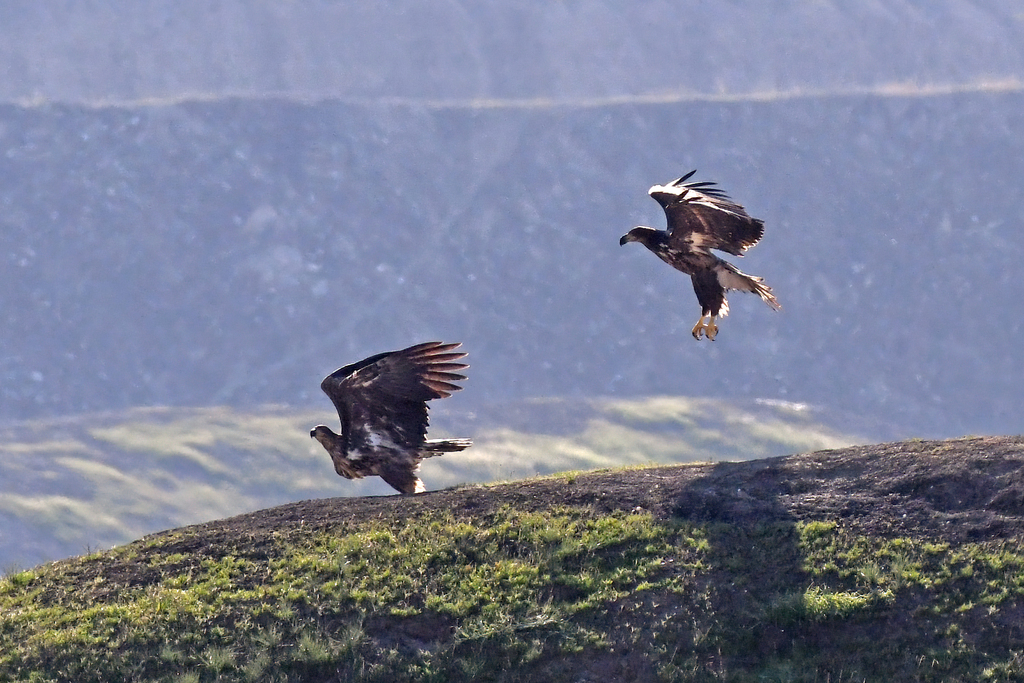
(700, 239)
(677, 190)
(691, 196)
(380, 441)
(713, 205)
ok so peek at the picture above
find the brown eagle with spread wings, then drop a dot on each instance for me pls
(382, 403)
(701, 218)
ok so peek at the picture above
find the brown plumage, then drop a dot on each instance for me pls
(701, 218)
(382, 403)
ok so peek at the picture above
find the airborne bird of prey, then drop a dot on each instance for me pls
(382, 403)
(701, 218)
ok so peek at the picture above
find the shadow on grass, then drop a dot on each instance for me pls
(757, 583)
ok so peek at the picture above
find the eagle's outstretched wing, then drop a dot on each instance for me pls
(702, 216)
(382, 399)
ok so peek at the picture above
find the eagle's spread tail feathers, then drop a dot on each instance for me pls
(730, 277)
(433, 447)
(765, 292)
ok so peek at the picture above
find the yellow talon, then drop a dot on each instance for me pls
(698, 329)
(711, 329)
(708, 329)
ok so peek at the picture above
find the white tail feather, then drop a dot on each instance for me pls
(730, 277)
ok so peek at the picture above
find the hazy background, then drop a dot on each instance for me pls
(218, 203)
(205, 207)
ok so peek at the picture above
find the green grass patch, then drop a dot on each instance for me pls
(959, 578)
(440, 596)
(507, 580)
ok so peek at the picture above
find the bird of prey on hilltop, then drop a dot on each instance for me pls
(382, 403)
(701, 218)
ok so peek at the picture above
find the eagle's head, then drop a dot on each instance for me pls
(640, 233)
(323, 434)
(336, 449)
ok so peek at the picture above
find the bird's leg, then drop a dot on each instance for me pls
(698, 329)
(711, 329)
(708, 329)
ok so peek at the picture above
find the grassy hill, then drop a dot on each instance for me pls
(95, 481)
(902, 561)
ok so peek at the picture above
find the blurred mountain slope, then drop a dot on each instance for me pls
(208, 204)
(116, 52)
(235, 252)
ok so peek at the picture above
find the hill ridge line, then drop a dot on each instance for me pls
(890, 89)
(860, 484)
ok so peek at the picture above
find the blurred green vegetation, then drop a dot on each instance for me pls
(95, 481)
